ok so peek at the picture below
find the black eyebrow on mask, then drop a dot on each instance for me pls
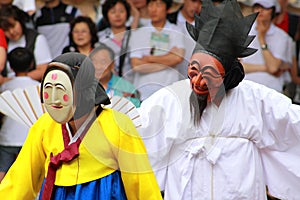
(195, 62)
(48, 83)
(209, 67)
(59, 84)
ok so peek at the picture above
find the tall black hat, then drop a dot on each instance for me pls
(222, 31)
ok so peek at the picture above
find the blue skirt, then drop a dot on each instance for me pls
(106, 188)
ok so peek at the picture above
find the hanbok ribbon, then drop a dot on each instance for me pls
(196, 149)
(68, 154)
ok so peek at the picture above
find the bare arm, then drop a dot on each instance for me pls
(3, 55)
(148, 64)
(294, 71)
(135, 15)
(2, 58)
(254, 68)
(141, 66)
(272, 64)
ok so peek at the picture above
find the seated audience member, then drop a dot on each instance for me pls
(103, 59)
(83, 36)
(269, 65)
(12, 133)
(117, 35)
(137, 18)
(156, 50)
(19, 35)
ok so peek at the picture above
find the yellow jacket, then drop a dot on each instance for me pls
(112, 143)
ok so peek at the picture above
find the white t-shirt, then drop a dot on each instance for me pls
(141, 45)
(279, 43)
(12, 133)
(25, 5)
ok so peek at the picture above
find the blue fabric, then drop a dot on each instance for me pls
(109, 187)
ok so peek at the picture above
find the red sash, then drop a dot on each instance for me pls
(68, 154)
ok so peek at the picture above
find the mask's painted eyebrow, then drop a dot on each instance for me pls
(60, 85)
(56, 85)
(209, 67)
(195, 62)
(48, 84)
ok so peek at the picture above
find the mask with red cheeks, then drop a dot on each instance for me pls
(206, 74)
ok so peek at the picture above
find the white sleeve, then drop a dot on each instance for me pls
(41, 50)
(153, 115)
(281, 156)
(161, 118)
(178, 36)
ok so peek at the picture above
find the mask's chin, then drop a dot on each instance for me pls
(61, 116)
(202, 91)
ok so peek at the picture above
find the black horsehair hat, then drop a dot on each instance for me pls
(222, 30)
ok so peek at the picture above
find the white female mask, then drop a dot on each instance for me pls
(58, 96)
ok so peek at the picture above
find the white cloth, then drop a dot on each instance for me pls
(25, 5)
(279, 44)
(41, 51)
(251, 140)
(57, 33)
(58, 38)
(140, 45)
(12, 133)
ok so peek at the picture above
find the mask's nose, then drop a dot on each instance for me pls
(55, 97)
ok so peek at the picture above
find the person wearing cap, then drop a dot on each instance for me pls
(216, 135)
(78, 149)
(270, 64)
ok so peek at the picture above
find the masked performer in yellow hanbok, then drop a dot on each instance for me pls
(78, 149)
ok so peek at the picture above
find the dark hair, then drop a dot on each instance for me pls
(20, 59)
(109, 4)
(12, 12)
(91, 25)
(100, 47)
(167, 2)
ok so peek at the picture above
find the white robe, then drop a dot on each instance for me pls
(250, 141)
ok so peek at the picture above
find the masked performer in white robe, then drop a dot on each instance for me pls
(78, 149)
(215, 136)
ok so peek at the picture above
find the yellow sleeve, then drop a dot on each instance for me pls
(136, 171)
(24, 178)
